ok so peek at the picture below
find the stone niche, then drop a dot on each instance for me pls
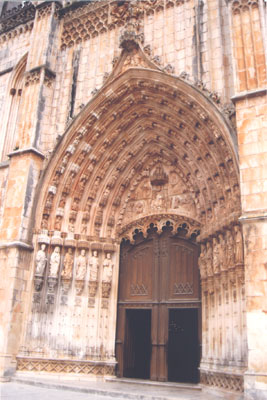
(71, 326)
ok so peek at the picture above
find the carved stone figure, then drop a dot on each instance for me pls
(54, 262)
(40, 260)
(58, 223)
(107, 269)
(94, 266)
(209, 259)
(230, 249)
(68, 264)
(216, 256)
(238, 246)
(71, 225)
(44, 223)
(81, 266)
(222, 254)
(158, 203)
(202, 262)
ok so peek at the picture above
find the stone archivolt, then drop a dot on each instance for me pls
(140, 119)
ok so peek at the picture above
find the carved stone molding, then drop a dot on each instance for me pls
(19, 15)
(93, 285)
(66, 366)
(228, 381)
(34, 76)
(45, 8)
(159, 222)
(241, 5)
(82, 22)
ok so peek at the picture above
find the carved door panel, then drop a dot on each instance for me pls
(136, 272)
(158, 273)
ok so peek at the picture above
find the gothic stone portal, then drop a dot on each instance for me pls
(158, 333)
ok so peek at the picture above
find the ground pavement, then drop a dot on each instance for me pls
(31, 388)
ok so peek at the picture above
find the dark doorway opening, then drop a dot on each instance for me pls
(137, 345)
(183, 347)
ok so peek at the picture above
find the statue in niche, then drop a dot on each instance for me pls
(68, 264)
(54, 262)
(58, 223)
(209, 259)
(230, 249)
(62, 201)
(216, 257)
(41, 260)
(107, 269)
(222, 252)
(238, 245)
(44, 223)
(81, 266)
(94, 266)
(71, 226)
(84, 226)
(75, 204)
(202, 262)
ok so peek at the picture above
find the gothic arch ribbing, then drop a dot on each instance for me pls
(140, 119)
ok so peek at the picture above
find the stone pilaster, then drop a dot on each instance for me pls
(24, 172)
(251, 112)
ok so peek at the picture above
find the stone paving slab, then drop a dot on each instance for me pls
(43, 389)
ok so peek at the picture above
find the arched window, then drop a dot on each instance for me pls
(13, 101)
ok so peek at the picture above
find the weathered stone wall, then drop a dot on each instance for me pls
(217, 49)
(251, 114)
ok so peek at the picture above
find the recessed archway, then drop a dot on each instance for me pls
(149, 148)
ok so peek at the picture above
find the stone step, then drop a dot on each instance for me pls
(146, 382)
(123, 388)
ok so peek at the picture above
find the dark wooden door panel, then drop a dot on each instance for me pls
(183, 274)
(136, 273)
(156, 273)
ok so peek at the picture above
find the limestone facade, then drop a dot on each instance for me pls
(115, 116)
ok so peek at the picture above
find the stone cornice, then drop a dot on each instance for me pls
(6, 71)
(17, 16)
(46, 3)
(249, 94)
(4, 164)
(17, 244)
(32, 150)
(48, 71)
(253, 216)
(72, 7)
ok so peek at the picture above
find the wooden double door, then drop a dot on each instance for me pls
(158, 326)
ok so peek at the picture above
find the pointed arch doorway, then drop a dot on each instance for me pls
(159, 326)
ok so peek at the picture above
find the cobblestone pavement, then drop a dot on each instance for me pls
(48, 390)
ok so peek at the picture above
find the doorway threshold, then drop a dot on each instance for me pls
(147, 382)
